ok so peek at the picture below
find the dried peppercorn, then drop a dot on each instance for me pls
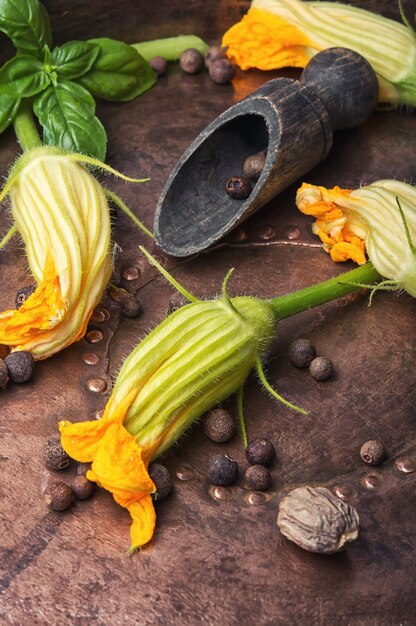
(82, 487)
(222, 470)
(191, 61)
(58, 496)
(159, 65)
(321, 368)
(176, 301)
(221, 71)
(258, 477)
(219, 425)
(214, 54)
(54, 455)
(162, 479)
(260, 452)
(301, 352)
(20, 365)
(373, 452)
(238, 187)
(254, 164)
(131, 306)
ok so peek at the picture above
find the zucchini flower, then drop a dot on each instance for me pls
(379, 218)
(62, 214)
(282, 33)
(196, 357)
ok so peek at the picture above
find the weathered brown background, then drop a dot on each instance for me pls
(220, 562)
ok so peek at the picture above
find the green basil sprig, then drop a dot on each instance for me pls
(61, 83)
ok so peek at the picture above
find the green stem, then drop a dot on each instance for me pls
(25, 127)
(304, 299)
(170, 48)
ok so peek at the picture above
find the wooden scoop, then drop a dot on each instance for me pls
(292, 121)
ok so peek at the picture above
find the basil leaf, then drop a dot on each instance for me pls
(23, 76)
(66, 113)
(27, 24)
(119, 73)
(74, 58)
(8, 109)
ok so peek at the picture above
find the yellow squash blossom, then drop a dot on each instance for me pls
(379, 218)
(196, 357)
(283, 33)
(62, 214)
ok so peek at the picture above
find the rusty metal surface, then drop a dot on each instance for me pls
(220, 561)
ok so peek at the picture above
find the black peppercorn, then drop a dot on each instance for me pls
(82, 487)
(22, 295)
(321, 368)
(221, 71)
(238, 187)
(4, 374)
(159, 65)
(20, 365)
(163, 481)
(82, 468)
(219, 425)
(253, 165)
(131, 306)
(191, 61)
(58, 496)
(222, 470)
(54, 455)
(214, 54)
(260, 452)
(301, 352)
(257, 477)
(176, 301)
(372, 452)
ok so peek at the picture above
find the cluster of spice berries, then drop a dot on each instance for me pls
(240, 187)
(302, 353)
(191, 61)
(17, 367)
(219, 426)
(60, 495)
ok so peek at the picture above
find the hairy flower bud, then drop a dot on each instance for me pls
(62, 214)
(380, 217)
(195, 358)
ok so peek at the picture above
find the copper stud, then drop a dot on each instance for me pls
(292, 233)
(97, 316)
(97, 385)
(266, 233)
(131, 273)
(407, 466)
(94, 336)
(90, 358)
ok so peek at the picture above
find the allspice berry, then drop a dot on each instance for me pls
(219, 425)
(159, 65)
(260, 452)
(82, 468)
(191, 61)
(176, 301)
(222, 469)
(54, 455)
(82, 487)
(163, 481)
(131, 306)
(221, 71)
(321, 368)
(58, 496)
(20, 365)
(254, 164)
(214, 54)
(238, 187)
(257, 477)
(4, 374)
(22, 295)
(373, 452)
(301, 352)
